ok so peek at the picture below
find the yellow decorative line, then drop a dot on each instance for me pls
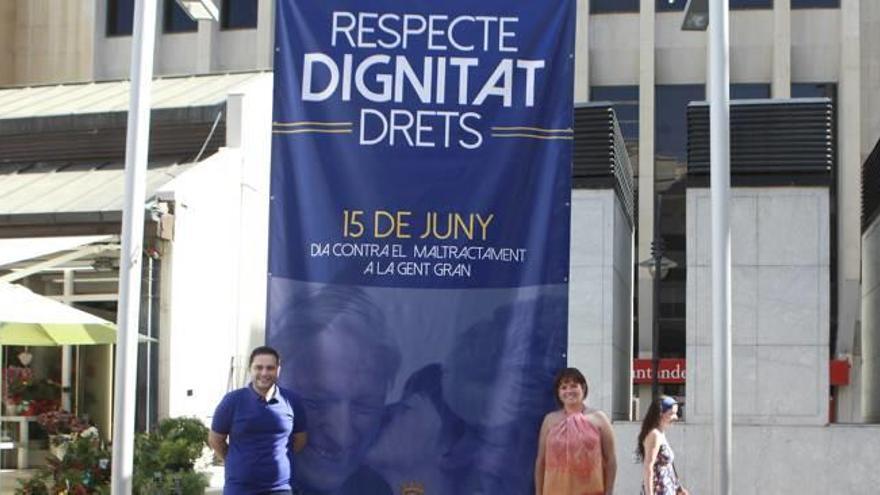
(538, 129)
(532, 136)
(308, 123)
(324, 131)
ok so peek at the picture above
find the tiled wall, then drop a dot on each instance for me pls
(780, 305)
(600, 298)
(871, 322)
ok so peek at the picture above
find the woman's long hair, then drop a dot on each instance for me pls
(651, 421)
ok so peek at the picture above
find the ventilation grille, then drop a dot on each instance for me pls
(600, 159)
(773, 142)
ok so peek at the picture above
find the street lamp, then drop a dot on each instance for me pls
(696, 15)
(659, 266)
(200, 10)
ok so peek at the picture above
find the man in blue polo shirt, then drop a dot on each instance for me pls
(264, 425)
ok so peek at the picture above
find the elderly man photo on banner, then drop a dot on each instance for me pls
(419, 237)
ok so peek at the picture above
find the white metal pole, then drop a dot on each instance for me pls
(67, 351)
(136, 144)
(2, 397)
(719, 130)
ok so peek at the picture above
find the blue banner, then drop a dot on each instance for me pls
(419, 237)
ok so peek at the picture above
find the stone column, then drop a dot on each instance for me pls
(582, 52)
(871, 323)
(646, 185)
(848, 193)
(265, 34)
(600, 298)
(781, 84)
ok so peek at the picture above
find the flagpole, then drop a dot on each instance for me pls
(136, 146)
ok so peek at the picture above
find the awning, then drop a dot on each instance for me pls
(30, 319)
(85, 188)
(112, 96)
(26, 248)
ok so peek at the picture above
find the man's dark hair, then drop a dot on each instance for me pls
(264, 350)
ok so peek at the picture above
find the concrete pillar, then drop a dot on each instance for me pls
(265, 34)
(582, 53)
(52, 40)
(781, 84)
(870, 334)
(7, 42)
(848, 187)
(164, 395)
(204, 44)
(646, 184)
(249, 119)
(869, 38)
(600, 298)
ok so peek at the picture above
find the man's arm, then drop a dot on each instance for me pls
(300, 439)
(218, 443)
(222, 421)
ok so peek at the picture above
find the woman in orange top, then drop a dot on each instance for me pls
(576, 445)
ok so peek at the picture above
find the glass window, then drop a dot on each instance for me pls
(147, 385)
(810, 4)
(625, 101)
(749, 91)
(670, 5)
(120, 17)
(670, 119)
(670, 176)
(238, 14)
(751, 4)
(605, 6)
(814, 90)
(177, 20)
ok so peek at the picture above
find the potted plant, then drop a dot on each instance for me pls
(24, 395)
(84, 470)
(165, 459)
(16, 380)
(42, 395)
(61, 426)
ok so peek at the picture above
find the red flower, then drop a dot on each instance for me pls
(57, 422)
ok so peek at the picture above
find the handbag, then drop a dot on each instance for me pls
(681, 490)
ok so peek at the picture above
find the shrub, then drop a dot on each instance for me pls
(84, 470)
(164, 462)
(164, 459)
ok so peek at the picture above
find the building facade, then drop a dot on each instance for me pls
(633, 55)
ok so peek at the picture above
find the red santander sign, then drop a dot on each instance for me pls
(675, 371)
(670, 371)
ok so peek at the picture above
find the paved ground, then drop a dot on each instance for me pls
(9, 480)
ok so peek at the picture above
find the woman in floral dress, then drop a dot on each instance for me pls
(659, 476)
(576, 445)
